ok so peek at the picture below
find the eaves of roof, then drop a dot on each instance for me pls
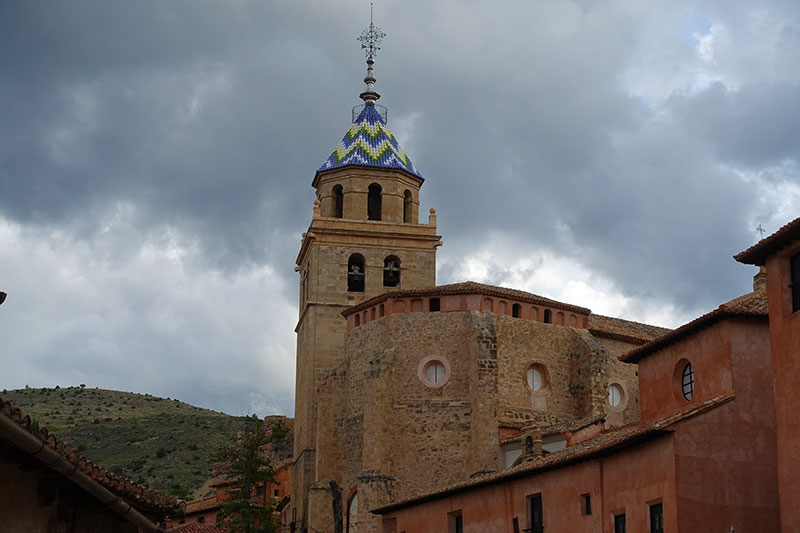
(757, 254)
(752, 305)
(135, 495)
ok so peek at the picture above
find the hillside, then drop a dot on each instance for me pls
(163, 443)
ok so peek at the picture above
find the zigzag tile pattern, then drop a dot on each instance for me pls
(369, 142)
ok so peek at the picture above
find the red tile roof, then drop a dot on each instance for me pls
(607, 443)
(467, 287)
(757, 254)
(206, 504)
(624, 330)
(753, 305)
(555, 429)
(136, 495)
(196, 528)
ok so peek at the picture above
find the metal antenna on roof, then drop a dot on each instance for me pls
(760, 230)
(370, 39)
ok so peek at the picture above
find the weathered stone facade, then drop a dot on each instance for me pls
(381, 421)
(403, 386)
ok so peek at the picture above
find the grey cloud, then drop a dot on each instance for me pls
(126, 124)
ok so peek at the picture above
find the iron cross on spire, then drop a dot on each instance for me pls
(371, 37)
(370, 42)
(760, 230)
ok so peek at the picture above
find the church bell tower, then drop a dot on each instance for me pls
(365, 238)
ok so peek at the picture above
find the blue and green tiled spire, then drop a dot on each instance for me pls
(369, 142)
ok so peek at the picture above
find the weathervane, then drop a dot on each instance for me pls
(370, 42)
(371, 37)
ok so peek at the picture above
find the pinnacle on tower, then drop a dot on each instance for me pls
(370, 39)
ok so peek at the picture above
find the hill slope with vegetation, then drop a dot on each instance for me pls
(163, 443)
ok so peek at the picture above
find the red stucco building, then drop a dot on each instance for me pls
(717, 448)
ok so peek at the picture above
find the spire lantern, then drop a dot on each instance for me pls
(370, 39)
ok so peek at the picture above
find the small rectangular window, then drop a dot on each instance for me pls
(656, 518)
(619, 523)
(794, 264)
(586, 504)
(434, 304)
(536, 513)
(455, 522)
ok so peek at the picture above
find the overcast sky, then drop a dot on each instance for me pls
(156, 161)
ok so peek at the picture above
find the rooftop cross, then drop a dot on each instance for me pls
(760, 230)
(370, 39)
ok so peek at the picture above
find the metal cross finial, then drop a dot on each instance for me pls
(760, 230)
(370, 41)
(371, 37)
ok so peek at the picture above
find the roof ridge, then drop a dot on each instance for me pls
(752, 304)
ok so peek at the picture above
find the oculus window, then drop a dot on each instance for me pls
(537, 378)
(433, 371)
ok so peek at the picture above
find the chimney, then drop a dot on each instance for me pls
(760, 280)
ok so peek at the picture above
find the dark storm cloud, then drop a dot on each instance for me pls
(754, 126)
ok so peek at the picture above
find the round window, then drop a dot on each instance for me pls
(534, 379)
(537, 378)
(435, 372)
(615, 395)
(687, 381)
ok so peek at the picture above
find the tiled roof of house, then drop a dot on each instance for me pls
(604, 444)
(369, 143)
(205, 504)
(468, 287)
(196, 528)
(136, 495)
(624, 330)
(753, 304)
(757, 254)
(555, 429)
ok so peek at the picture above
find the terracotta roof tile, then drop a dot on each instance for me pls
(467, 287)
(606, 443)
(202, 505)
(137, 495)
(196, 528)
(555, 429)
(624, 330)
(753, 304)
(757, 254)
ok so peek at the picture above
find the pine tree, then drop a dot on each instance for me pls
(244, 463)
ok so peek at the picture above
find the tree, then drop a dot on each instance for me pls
(244, 463)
